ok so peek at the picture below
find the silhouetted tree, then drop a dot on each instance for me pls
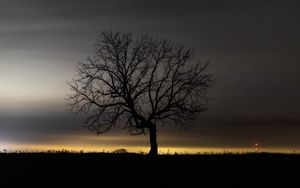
(139, 83)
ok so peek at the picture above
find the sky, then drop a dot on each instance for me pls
(253, 47)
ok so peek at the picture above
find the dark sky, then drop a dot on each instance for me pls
(253, 47)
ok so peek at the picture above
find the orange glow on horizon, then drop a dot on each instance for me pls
(138, 149)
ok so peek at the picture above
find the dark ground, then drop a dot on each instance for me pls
(106, 170)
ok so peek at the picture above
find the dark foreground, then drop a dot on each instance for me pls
(103, 170)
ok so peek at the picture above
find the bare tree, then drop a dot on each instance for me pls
(138, 83)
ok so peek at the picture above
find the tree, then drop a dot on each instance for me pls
(138, 83)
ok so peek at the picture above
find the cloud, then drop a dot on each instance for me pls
(253, 47)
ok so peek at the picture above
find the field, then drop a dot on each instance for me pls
(100, 169)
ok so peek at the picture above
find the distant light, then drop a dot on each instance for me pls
(256, 147)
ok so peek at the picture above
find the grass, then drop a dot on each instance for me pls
(109, 169)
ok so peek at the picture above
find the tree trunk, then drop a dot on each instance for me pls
(153, 151)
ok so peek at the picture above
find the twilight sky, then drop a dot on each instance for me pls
(253, 47)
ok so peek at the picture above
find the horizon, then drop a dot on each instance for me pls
(252, 46)
(143, 150)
